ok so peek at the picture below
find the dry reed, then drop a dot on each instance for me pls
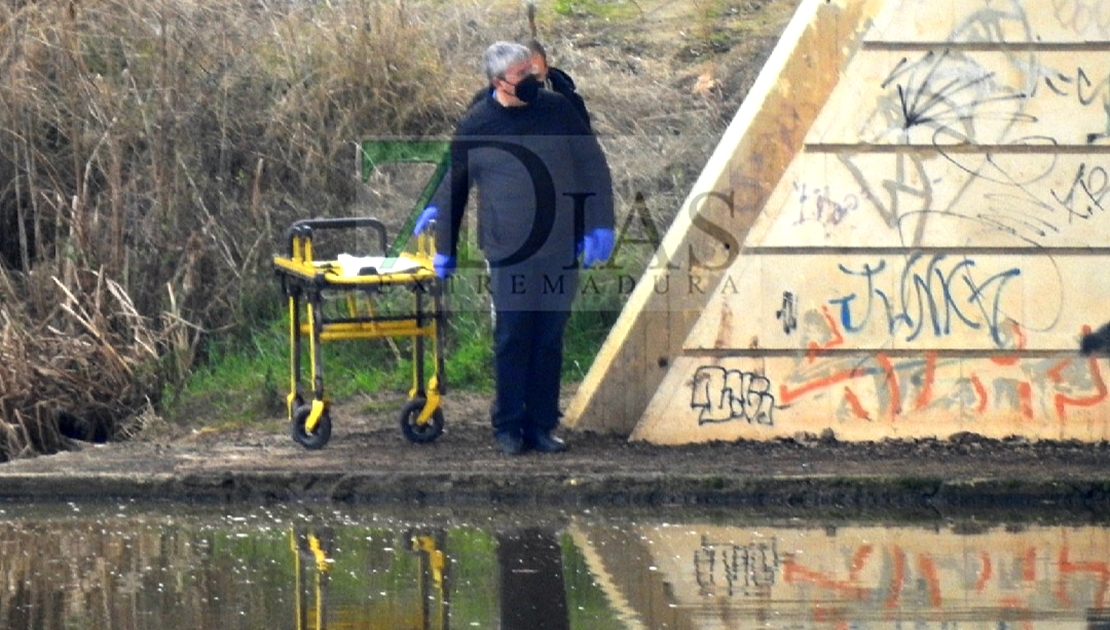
(152, 151)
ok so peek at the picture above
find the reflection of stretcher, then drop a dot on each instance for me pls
(434, 577)
(314, 557)
(356, 281)
(310, 549)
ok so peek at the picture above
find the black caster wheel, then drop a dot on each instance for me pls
(320, 434)
(415, 431)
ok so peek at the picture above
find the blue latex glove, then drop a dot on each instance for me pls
(426, 217)
(444, 265)
(597, 246)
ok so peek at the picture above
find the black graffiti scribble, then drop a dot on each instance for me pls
(724, 395)
(1085, 196)
(788, 314)
(946, 94)
(727, 569)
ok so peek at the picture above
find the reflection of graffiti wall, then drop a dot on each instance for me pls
(928, 262)
(857, 577)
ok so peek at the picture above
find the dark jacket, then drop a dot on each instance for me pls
(536, 167)
(558, 82)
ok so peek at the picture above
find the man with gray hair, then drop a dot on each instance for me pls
(550, 78)
(545, 198)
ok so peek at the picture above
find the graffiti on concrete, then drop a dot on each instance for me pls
(974, 109)
(932, 294)
(883, 386)
(788, 314)
(723, 395)
(948, 209)
(815, 204)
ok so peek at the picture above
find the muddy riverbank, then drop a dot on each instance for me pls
(368, 461)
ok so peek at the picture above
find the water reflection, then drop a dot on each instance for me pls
(136, 568)
(532, 594)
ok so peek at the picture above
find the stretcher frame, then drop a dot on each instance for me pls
(307, 283)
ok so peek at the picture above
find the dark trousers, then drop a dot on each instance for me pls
(532, 307)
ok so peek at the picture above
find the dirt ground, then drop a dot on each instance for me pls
(369, 461)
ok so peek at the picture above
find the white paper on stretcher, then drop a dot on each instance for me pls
(376, 265)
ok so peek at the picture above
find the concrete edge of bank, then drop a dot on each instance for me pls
(810, 494)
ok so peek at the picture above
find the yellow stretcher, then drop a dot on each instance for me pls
(336, 299)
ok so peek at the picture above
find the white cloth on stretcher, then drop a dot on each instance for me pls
(376, 265)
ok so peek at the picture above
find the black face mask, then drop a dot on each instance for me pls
(527, 89)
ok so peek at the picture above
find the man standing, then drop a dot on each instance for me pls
(544, 197)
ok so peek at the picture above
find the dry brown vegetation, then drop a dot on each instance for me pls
(152, 152)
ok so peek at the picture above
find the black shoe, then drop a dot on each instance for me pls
(546, 443)
(509, 443)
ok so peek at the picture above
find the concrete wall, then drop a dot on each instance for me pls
(926, 263)
(759, 144)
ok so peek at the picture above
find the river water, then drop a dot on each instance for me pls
(158, 567)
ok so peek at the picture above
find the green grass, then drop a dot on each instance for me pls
(605, 9)
(240, 379)
(245, 379)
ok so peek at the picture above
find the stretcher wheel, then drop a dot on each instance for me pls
(415, 431)
(319, 437)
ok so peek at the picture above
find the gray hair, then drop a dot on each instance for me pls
(500, 55)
